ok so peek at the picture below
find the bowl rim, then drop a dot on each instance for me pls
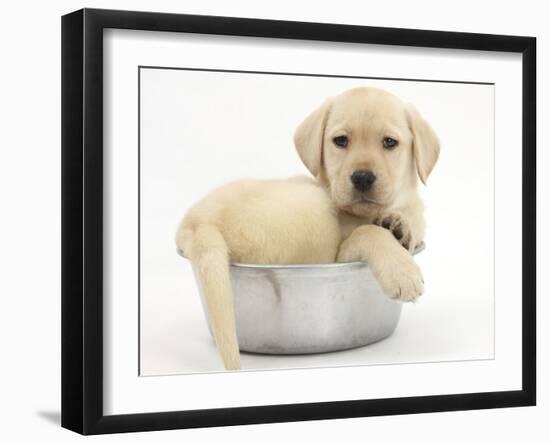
(419, 248)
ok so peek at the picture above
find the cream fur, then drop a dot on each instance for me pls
(301, 220)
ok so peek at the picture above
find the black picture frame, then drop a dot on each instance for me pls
(82, 220)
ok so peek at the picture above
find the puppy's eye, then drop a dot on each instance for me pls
(341, 141)
(389, 143)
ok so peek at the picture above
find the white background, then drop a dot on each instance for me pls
(30, 185)
(202, 129)
(127, 393)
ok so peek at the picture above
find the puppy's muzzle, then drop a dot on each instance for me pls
(363, 180)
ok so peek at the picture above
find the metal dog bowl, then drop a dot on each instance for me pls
(306, 309)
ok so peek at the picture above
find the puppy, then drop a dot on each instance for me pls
(366, 150)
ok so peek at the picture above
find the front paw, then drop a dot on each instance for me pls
(400, 278)
(400, 229)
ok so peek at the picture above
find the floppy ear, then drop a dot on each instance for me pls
(308, 138)
(425, 143)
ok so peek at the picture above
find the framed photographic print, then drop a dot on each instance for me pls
(269, 221)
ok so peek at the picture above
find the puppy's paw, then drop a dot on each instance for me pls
(400, 229)
(400, 278)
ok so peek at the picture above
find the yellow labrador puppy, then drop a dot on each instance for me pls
(366, 150)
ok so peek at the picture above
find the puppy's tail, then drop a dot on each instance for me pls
(210, 257)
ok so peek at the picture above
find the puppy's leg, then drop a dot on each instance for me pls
(392, 265)
(406, 224)
(400, 228)
(184, 239)
(210, 258)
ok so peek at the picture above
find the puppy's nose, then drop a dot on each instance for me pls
(363, 180)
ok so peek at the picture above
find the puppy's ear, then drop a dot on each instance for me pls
(308, 138)
(425, 143)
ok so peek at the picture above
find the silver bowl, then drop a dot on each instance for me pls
(307, 309)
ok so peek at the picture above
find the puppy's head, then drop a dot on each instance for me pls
(367, 147)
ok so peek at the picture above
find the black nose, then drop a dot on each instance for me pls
(363, 180)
